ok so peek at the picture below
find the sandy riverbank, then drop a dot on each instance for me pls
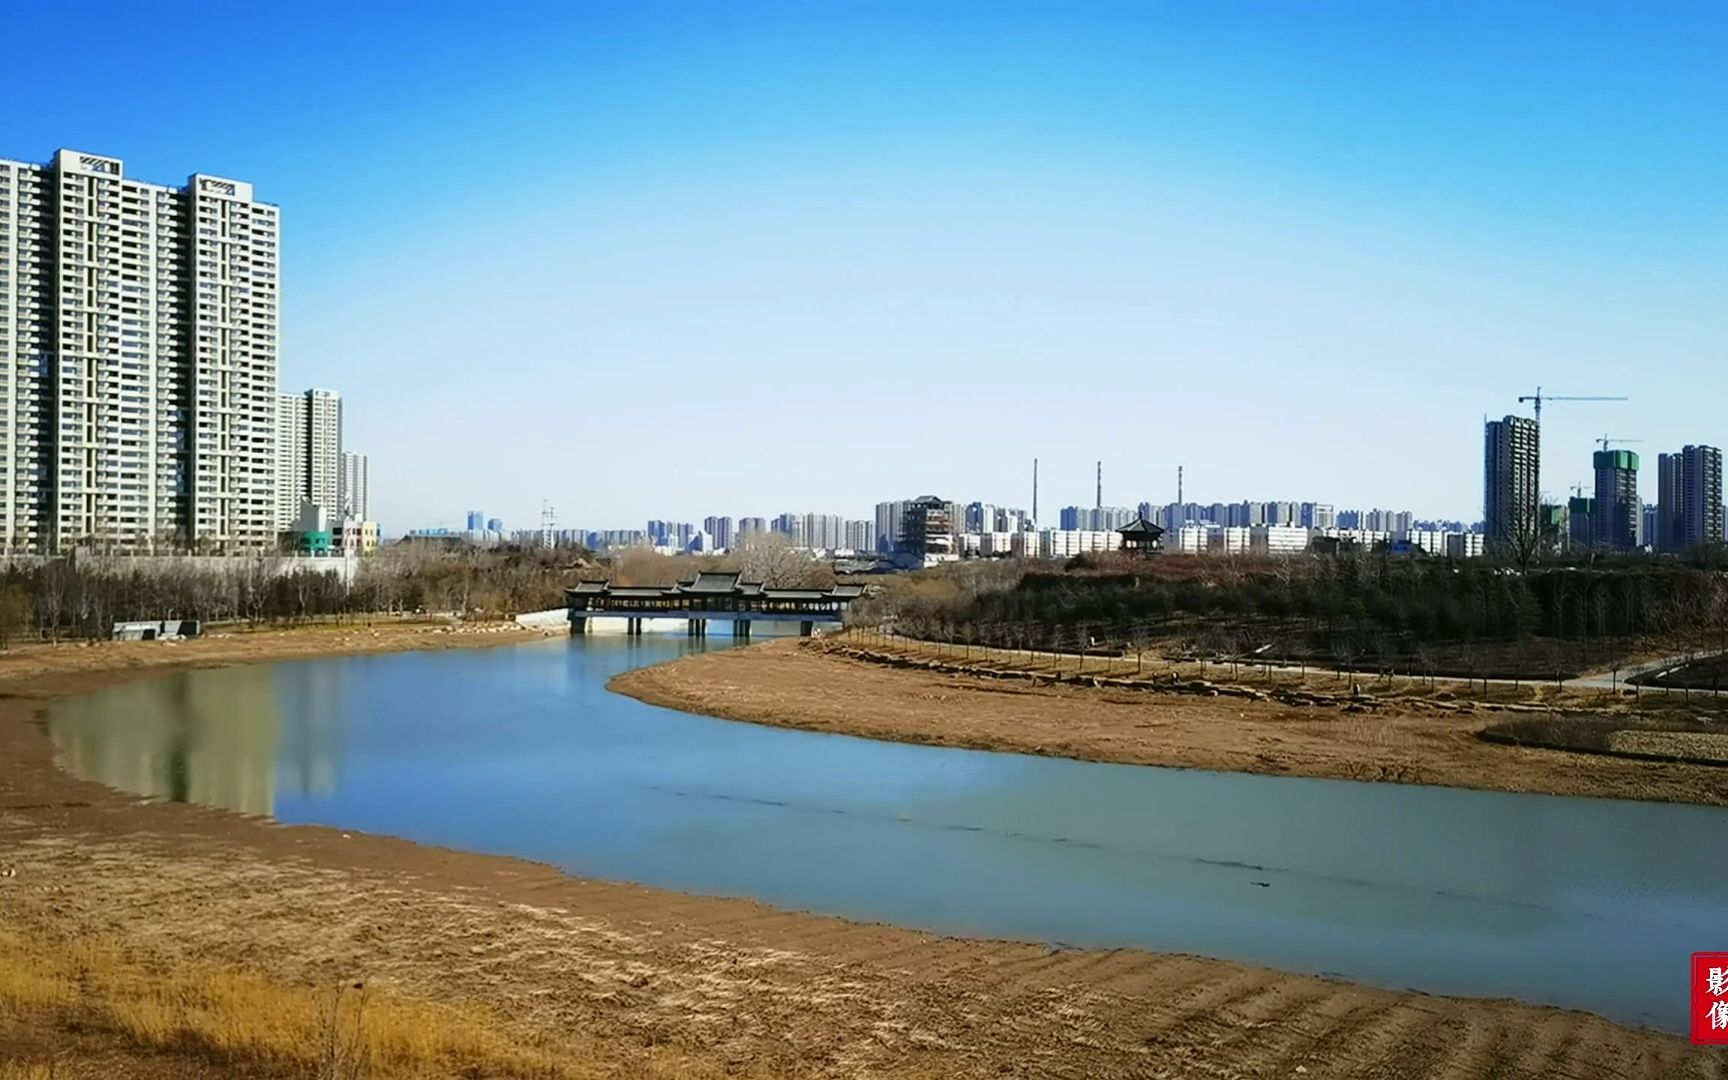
(618, 980)
(814, 686)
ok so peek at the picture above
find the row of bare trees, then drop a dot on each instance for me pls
(1371, 612)
(770, 560)
(83, 598)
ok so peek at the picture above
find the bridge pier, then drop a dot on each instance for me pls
(806, 628)
(741, 629)
(696, 628)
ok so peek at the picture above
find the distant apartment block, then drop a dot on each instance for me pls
(1067, 543)
(671, 534)
(138, 327)
(308, 453)
(889, 518)
(1615, 519)
(1095, 518)
(1397, 522)
(720, 530)
(1464, 545)
(1510, 478)
(354, 496)
(1017, 543)
(1196, 538)
(1278, 540)
(860, 536)
(1688, 499)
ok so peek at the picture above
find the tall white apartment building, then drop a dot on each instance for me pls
(291, 432)
(309, 454)
(137, 360)
(353, 496)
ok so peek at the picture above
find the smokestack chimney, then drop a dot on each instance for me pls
(1034, 491)
(1099, 504)
(1178, 487)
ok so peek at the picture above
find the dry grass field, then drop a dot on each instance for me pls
(346, 1030)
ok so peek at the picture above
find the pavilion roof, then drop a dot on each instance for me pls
(1141, 527)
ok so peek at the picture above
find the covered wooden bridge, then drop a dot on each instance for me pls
(710, 595)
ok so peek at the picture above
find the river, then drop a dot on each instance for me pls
(1587, 903)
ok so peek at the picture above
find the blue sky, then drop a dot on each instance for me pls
(665, 260)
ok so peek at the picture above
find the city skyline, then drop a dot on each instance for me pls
(1216, 232)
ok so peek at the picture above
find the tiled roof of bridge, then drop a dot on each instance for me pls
(711, 581)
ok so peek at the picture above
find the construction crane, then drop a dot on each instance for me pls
(1606, 439)
(1538, 397)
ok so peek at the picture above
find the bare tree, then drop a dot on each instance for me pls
(1528, 537)
(773, 561)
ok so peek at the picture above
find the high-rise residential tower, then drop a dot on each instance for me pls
(720, 530)
(1666, 536)
(1689, 499)
(308, 453)
(1614, 518)
(890, 520)
(355, 487)
(1510, 494)
(138, 329)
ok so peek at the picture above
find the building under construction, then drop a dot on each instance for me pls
(927, 530)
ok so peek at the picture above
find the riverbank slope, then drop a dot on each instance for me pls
(818, 686)
(606, 979)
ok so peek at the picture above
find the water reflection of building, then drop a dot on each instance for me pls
(197, 736)
(310, 698)
(234, 738)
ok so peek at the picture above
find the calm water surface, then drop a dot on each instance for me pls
(1588, 903)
